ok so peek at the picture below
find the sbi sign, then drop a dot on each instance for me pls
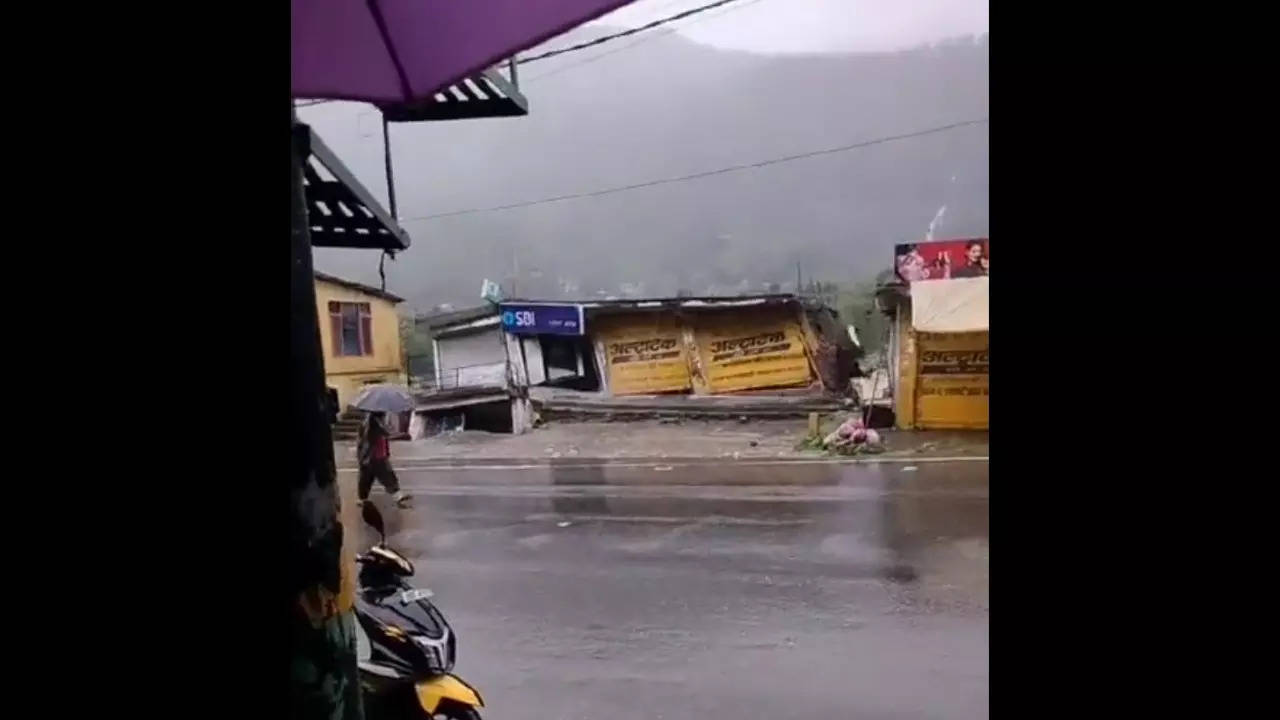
(542, 319)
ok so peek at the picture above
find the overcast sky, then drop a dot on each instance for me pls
(807, 26)
(443, 167)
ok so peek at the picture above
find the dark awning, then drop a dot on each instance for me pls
(341, 212)
(482, 95)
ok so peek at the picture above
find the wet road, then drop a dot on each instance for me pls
(716, 591)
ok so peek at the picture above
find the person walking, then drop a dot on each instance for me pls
(373, 452)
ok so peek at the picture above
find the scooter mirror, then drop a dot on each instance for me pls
(370, 513)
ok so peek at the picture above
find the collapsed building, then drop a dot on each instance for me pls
(502, 365)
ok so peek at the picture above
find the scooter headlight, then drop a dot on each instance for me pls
(436, 652)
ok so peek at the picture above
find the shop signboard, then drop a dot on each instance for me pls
(751, 353)
(644, 357)
(542, 319)
(942, 260)
(953, 384)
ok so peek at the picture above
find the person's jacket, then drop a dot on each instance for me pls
(372, 434)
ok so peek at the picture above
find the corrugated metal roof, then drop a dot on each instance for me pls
(659, 300)
(455, 317)
(684, 303)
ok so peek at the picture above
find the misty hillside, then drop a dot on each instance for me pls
(671, 107)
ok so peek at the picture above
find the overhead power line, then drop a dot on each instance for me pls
(623, 33)
(593, 43)
(706, 173)
(640, 41)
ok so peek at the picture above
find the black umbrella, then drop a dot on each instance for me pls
(384, 398)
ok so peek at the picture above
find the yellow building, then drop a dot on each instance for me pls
(943, 380)
(360, 335)
(939, 336)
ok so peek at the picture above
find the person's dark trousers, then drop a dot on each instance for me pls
(381, 471)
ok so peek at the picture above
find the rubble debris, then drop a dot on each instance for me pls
(851, 437)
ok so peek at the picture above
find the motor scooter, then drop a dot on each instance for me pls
(405, 648)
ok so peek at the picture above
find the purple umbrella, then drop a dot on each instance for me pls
(396, 51)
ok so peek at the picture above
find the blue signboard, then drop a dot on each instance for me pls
(523, 319)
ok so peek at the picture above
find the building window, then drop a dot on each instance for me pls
(351, 328)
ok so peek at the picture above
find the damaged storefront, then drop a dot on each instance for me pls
(749, 351)
(702, 350)
(642, 354)
(467, 386)
(695, 347)
(938, 305)
(547, 344)
(783, 354)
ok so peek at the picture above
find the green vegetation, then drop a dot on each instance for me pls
(416, 346)
(856, 304)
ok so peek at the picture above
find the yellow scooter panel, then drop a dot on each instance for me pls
(450, 687)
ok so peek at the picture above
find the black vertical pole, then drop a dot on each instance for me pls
(391, 192)
(323, 675)
(386, 160)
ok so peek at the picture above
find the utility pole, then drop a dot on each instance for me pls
(323, 679)
(797, 278)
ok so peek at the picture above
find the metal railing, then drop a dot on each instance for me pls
(424, 380)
